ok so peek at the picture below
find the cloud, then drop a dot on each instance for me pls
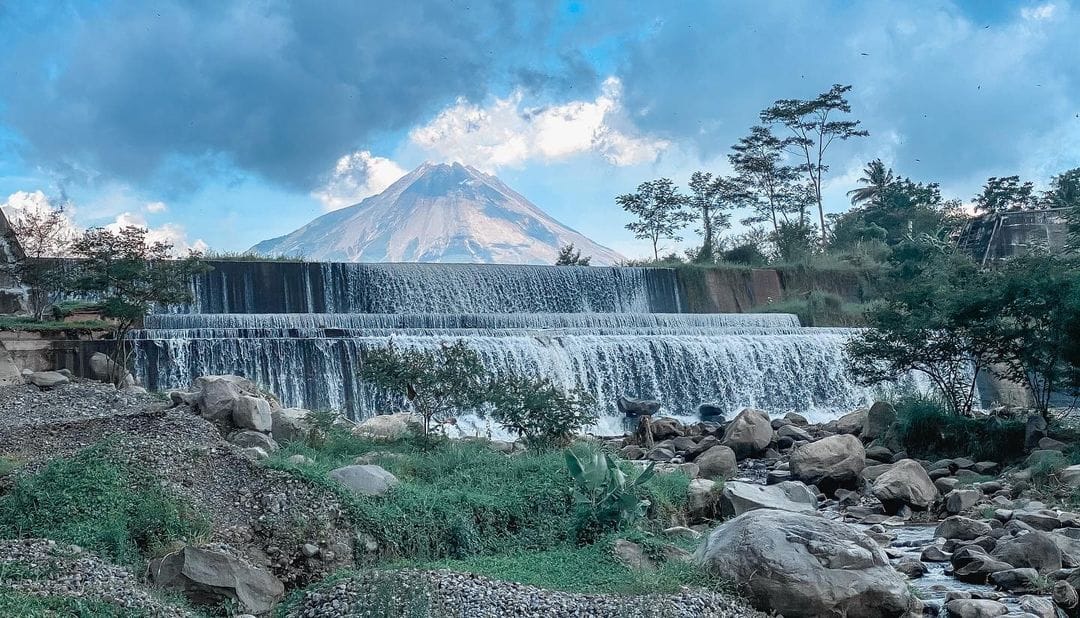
(507, 132)
(170, 233)
(1039, 12)
(22, 203)
(357, 175)
(156, 207)
(279, 89)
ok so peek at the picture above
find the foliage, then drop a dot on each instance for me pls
(819, 308)
(773, 189)
(1064, 191)
(926, 428)
(1005, 194)
(43, 234)
(25, 605)
(748, 254)
(97, 500)
(437, 383)
(540, 412)
(20, 323)
(793, 242)
(607, 493)
(711, 198)
(876, 179)
(814, 127)
(569, 256)
(660, 210)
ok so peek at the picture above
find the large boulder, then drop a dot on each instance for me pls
(850, 423)
(208, 577)
(749, 433)
(364, 479)
(47, 379)
(388, 427)
(962, 528)
(290, 424)
(702, 500)
(975, 608)
(829, 463)
(717, 463)
(252, 413)
(1034, 430)
(879, 419)
(247, 438)
(737, 498)
(1034, 550)
(802, 565)
(631, 407)
(905, 483)
(216, 397)
(105, 369)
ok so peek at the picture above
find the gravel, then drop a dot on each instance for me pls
(448, 594)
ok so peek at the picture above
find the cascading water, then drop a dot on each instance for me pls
(612, 331)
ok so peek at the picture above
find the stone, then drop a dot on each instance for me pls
(906, 483)
(252, 413)
(801, 565)
(717, 463)
(963, 463)
(290, 424)
(980, 569)
(1038, 521)
(632, 451)
(912, 568)
(960, 500)
(1038, 607)
(749, 433)
(737, 497)
(829, 463)
(961, 528)
(796, 419)
(214, 397)
(1035, 550)
(47, 379)
(985, 467)
(712, 412)
(365, 479)
(879, 453)
(631, 407)
(246, 438)
(1016, 580)
(299, 460)
(254, 453)
(794, 432)
(1050, 444)
(104, 369)
(879, 419)
(933, 553)
(850, 423)
(666, 428)
(1070, 476)
(660, 453)
(1034, 430)
(632, 556)
(946, 484)
(702, 499)
(870, 473)
(208, 577)
(975, 608)
(1065, 595)
(389, 427)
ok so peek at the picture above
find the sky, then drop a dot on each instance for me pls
(221, 123)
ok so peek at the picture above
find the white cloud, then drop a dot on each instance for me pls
(156, 207)
(21, 203)
(506, 132)
(357, 175)
(1040, 12)
(170, 233)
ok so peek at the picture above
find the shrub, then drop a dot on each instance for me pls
(543, 414)
(97, 500)
(927, 429)
(608, 495)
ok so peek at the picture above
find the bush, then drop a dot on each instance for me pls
(608, 496)
(927, 429)
(97, 500)
(544, 415)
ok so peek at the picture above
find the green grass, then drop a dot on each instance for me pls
(819, 309)
(247, 256)
(13, 603)
(98, 501)
(21, 323)
(927, 430)
(7, 466)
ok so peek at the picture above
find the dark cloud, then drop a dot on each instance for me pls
(277, 88)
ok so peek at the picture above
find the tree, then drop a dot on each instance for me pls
(569, 256)
(129, 276)
(540, 412)
(772, 188)
(711, 198)
(660, 210)
(1064, 191)
(435, 382)
(1005, 194)
(42, 234)
(877, 179)
(814, 128)
(793, 241)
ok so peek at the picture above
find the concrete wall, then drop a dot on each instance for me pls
(737, 290)
(1002, 235)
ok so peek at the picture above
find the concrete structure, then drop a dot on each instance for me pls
(998, 236)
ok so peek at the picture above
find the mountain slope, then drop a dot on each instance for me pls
(438, 213)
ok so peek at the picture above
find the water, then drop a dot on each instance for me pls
(303, 330)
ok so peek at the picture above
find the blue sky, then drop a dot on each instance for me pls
(229, 122)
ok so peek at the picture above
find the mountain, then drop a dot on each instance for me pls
(438, 213)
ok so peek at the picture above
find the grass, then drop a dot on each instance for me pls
(819, 309)
(248, 256)
(13, 603)
(927, 430)
(98, 501)
(22, 323)
(7, 466)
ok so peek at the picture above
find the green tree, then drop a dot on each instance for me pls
(543, 414)
(712, 198)
(1064, 191)
(1005, 194)
(793, 241)
(773, 189)
(570, 256)
(42, 234)
(876, 180)
(661, 212)
(814, 127)
(436, 383)
(130, 276)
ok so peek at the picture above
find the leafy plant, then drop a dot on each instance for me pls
(541, 413)
(605, 490)
(571, 256)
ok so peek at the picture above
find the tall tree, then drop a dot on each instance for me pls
(660, 209)
(814, 127)
(772, 187)
(876, 180)
(1004, 194)
(711, 199)
(1064, 193)
(42, 233)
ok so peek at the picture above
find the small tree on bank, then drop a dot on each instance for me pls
(42, 234)
(660, 210)
(570, 256)
(541, 413)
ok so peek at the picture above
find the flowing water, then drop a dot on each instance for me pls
(302, 330)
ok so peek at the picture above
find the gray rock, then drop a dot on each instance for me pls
(829, 463)
(796, 419)
(870, 473)
(632, 556)
(252, 413)
(1070, 476)
(247, 438)
(1065, 595)
(389, 427)
(105, 369)
(632, 451)
(906, 483)
(879, 453)
(961, 528)
(879, 419)
(717, 463)
(980, 569)
(216, 397)
(1016, 580)
(946, 484)
(290, 424)
(1050, 444)
(749, 433)
(1038, 607)
(912, 568)
(366, 479)
(794, 432)
(254, 453)
(975, 608)
(47, 379)
(802, 565)
(299, 460)
(1035, 550)
(737, 497)
(631, 407)
(1034, 430)
(960, 500)
(209, 577)
(933, 553)
(850, 423)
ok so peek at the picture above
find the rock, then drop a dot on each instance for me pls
(960, 500)
(252, 413)
(660, 453)
(666, 428)
(1050, 444)
(1034, 430)
(829, 463)
(388, 427)
(1037, 606)
(290, 424)
(254, 453)
(702, 499)
(912, 568)
(366, 479)
(717, 463)
(712, 412)
(749, 433)
(879, 419)
(631, 407)
(1016, 580)
(246, 438)
(980, 569)
(632, 451)
(1034, 550)
(975, 608)
(1065, 595)
(737, 498)
(1038, 521)
(704, 444)
(961, 528)
(946, 484)
(299, 460)
(215, 397)
(47, 379)
(796, 419)
(879, 453)
(850, 423)
(208, 577)
(104, 369)
(632, 556)
(1070, 476)
(794, 432)
(933, 553)
(802, 565)
(870, 473)
(905, 483)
